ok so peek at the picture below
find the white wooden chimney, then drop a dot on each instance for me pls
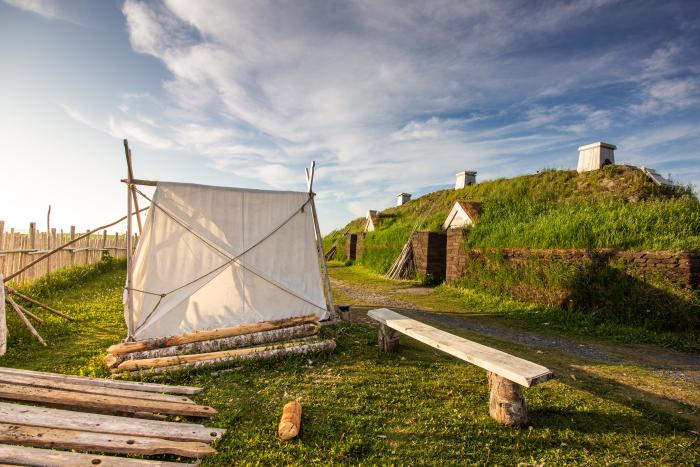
(594, 156)
(465, 178)
(403, 198)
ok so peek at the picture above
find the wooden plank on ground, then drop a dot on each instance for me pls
(44, 437)
(508, 366)
(101, 403)
(199, 336)
(98, 423)
(38, 381)
(108, 383)
(20, 455)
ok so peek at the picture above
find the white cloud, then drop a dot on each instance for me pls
(47, 8)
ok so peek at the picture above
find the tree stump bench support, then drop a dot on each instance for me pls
(506, 373)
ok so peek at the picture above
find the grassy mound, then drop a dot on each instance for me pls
(616, 207)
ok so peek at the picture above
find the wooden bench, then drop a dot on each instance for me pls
(506, 373)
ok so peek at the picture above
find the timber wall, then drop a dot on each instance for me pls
(429, 254)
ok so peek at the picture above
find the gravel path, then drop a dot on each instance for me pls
(681, 366)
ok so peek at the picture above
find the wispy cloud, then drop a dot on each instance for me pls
(50, 9)
(397, 95)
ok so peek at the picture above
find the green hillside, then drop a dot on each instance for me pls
(617, 207)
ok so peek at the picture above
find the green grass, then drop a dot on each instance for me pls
(616, 207)
(498, 304)
(363, 407)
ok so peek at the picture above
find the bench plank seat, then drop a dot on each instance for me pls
(502, 364)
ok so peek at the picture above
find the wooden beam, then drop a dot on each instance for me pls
(19, 455)
(98, 423)
(39, 382)
(505, 365)
(133, 385)
(101, 403)
(225, 343)
(139, 181)
(45, 437)
(199, 336)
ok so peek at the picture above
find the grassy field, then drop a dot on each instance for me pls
(363, 407)
(616, 207)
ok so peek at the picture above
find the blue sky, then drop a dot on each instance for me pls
(387, 96)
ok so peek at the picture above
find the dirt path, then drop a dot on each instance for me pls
(676, 365)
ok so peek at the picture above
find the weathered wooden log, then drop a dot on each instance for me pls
(30, 314)
(130, 365)
(199, 336)
(323, 346)
(39, 382)
(290, 424)
(506, 401)
(98, 423)
(20, 455)
(24, 319)
(388, 339)
(107, 383)
(214, 345)
(101, 403)
(46, 437)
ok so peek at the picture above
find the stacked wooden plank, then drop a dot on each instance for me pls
(30, 432)
(267, 339)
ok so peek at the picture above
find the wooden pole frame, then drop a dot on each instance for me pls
(330, 306)
(127, 152)
(129, 265)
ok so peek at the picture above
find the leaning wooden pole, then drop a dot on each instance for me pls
(24, 319)
(3, 322)
(129, 265)
(39, 304)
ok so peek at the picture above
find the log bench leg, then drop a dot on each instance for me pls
(506, 401)
(388, 339)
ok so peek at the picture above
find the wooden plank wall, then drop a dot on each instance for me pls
(18, 249)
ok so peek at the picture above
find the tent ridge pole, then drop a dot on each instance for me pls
(129, 259)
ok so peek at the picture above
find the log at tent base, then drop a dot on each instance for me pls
(322, 346)
(130, 365)
(199, 336)
(506, 401)
(46, 437)
(20, 455)
(225, 343)
(290, 424)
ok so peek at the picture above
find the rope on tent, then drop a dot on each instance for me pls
(231, 259)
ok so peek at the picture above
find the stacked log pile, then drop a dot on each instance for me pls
(267, 339)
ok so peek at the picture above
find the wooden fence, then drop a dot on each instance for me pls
(18, 249)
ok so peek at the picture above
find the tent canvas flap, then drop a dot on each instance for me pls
(211, 257)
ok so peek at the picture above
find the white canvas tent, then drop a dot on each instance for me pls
(211, 257)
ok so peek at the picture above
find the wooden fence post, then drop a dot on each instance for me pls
(72, 237)
(2, 235)
(3, 324)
